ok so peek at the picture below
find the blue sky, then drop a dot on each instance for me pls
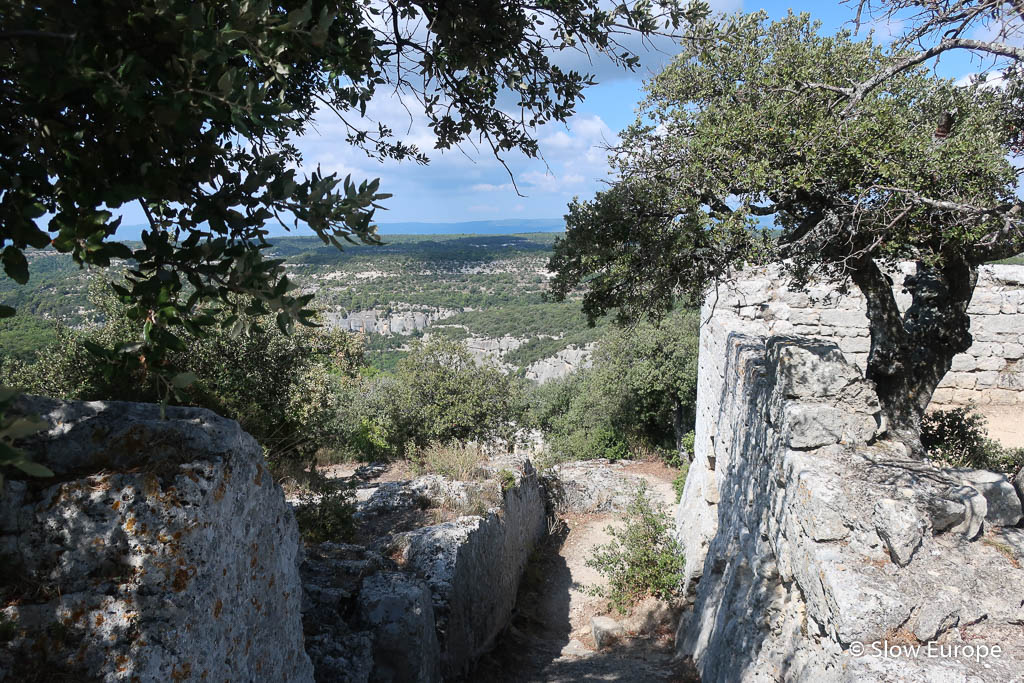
(473, 186)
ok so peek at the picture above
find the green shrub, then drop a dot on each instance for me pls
(507, 480)
(327, 517)
(679, 483)
(958, 438)
(637, 398)
(642, 559)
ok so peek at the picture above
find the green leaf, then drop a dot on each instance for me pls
(24, 426)
(33, 469)
(15, 264)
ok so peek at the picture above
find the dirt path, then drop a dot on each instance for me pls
(1005, 424)
(550, 637)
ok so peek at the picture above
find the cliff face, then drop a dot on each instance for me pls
(813, 543)
(162, 550)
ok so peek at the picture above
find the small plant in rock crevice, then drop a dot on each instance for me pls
(679, 483)
(642, 559)
(507, 480)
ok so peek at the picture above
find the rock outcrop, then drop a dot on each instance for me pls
(815, 545)
(562, 364)
(399, 321)
(161, 550)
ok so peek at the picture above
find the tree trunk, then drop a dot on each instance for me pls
(677, 427)
(912, 352)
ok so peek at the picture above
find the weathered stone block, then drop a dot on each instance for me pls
(171, 550)
(900, 527)
(1003, 503)
(400, 612)
(606, 631)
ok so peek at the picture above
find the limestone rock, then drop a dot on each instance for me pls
(935, 617)
(472, 566)
(172, 547)
(840, 540)
(975, 509)
(589, 486)
(438, 607)
(1004, 503)
(944, 513)
(399, 611)
(900, 528)
(606, 631)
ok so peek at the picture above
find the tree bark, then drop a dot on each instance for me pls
(911, 352)
(677, 426)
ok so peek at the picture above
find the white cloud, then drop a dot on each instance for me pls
(991, 79)
(489, 187)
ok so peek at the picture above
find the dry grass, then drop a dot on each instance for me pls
(1003, 548)
(456, 461)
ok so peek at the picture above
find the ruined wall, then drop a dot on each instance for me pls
(990, 372)
(812, 540)
(161, 550)
(432, 600)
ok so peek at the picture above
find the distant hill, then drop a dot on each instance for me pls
(499, 227)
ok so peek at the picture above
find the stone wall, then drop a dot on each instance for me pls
(161, 550)
(810, 538)
(430, 601)
(990, 372)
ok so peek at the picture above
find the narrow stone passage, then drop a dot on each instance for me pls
(550, 636)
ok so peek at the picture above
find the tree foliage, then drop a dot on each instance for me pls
(285, 390)
(438, 394)
(748, 122)
(638, 396)
(191, 110)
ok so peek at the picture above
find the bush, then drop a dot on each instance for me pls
(958, 438)
(638, 397)
(285, 390)
(327, 513)
(679, 483)
(643, 558)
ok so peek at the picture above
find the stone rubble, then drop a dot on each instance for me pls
(442, 594)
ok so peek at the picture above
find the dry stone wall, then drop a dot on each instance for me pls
(161, 550)
(814, 543)
(990, 372)
(427, 603)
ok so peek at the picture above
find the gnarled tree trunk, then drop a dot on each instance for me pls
(912, 351)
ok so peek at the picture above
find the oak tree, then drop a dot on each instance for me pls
(749, 123)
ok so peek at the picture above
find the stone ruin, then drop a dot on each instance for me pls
(991, 372)
(815, 545)
(163, 550)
